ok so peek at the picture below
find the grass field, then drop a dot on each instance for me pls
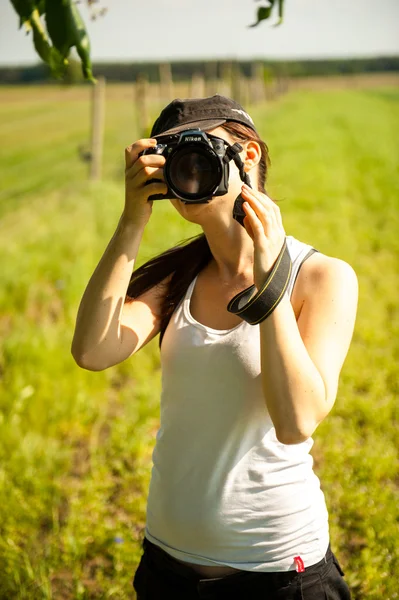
(75, 446)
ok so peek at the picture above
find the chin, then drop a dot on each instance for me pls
(193, 212)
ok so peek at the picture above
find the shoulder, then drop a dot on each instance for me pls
(327, 292)
(328, 285)
(320, 272)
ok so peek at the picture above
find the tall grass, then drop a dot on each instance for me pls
(75, 446)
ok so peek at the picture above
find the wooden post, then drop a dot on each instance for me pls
(257, 82)
(284, 84)
(269, 91)
(244, 94)
(226, 79)
(210, 77)
(142, 109)
(166, 80)
(97, 128)
(197, 86)
(236, 81)
(279, 85)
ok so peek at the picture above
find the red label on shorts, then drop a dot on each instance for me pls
(300, 567)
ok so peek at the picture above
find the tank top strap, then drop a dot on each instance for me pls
(189, 292)
(299, 252)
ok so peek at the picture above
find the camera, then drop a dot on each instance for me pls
(196, 167)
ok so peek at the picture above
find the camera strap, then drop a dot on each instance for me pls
(256, 308)
(233, 153)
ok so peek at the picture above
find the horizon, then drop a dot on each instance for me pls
(220, 59)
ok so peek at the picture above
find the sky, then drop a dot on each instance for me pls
(137, 30)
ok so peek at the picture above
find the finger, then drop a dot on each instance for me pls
(264, 198)
(143, 175)
(156, 188)
(254, 222)
(148, 159)
(267, 202)
(271, 207)
(279, 218)
(248, 227)
(132, 152)
(152, 161)
(264, 214)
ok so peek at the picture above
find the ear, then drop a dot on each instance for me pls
(251, 155)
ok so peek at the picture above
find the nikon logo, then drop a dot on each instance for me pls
(192, 139)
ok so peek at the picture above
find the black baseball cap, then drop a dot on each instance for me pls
(201, 113)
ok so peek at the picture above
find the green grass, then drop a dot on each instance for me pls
(75, 446)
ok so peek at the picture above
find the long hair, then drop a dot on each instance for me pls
(183, 262)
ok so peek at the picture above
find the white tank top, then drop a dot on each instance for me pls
(224, 490)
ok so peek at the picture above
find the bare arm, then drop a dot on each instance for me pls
(107, 330)
(301, 361)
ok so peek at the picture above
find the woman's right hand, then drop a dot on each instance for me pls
(139, 170)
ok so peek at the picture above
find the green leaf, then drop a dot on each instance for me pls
(24, 9)
(43, 47)
(67, 29)
(264, 12)
(82, 44)
(40, 6)
(57, 16)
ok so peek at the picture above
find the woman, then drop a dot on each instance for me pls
(234, 509)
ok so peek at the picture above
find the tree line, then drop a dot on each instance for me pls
(184, 70)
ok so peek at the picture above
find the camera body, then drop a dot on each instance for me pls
(195, 169)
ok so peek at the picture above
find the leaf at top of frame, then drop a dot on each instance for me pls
(263, 13)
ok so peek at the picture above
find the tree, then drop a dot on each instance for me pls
(57, 27)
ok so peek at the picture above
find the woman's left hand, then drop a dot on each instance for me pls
(264, 225)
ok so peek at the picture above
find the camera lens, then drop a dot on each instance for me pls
(193, 173)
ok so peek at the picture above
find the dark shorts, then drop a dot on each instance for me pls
(160, 576)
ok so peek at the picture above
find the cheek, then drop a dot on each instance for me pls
(235, 182)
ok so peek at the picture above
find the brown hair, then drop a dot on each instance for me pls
(184, 261)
